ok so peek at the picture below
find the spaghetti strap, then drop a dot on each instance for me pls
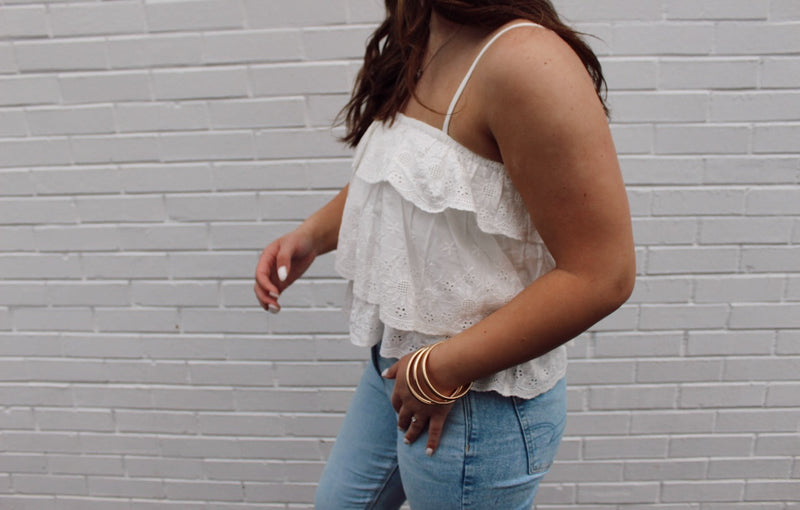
(460, 90)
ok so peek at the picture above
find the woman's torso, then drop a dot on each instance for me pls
(434, 235)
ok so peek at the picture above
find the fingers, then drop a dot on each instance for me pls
(283, 262)
(391, 372)
(416, 425)
(405, 419)
(435, 428)
(264, 272)
(268, 300)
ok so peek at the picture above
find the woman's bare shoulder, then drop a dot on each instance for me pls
(534, 63)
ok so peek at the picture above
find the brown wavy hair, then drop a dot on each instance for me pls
(396, 49)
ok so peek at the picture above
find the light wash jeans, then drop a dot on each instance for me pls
(492, 455)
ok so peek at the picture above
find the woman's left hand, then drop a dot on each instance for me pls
(413, 415)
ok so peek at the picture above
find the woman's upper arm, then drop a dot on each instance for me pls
(543, 111)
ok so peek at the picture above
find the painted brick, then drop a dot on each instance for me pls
(733, 343)
(717, 9)
(630, 73)
(189, 293)
(165, 178)
(776, 138)
(745, 467)
(621, 344)
(24, 21)
(212, 207)
(155, 50)
(660, 171)
(299, 78)
(686, 370)
(125, 265)
(139, 117)
(745, 230)
(260, 113)
(664, 39)
(217, 82)
(772, 420)
(7, 62)
(25, 90)
(777, 445)
(779, 72)
(92, 88)
(738, 38)
(672, 470)
(708, 73)
(16, 238)
(630, 397)
(104, 18)
(694, 260)
(12, 123)
(703, 491)
(253, 46)
(116, 149)
(194, 15)
(750, 170)
(659, 106)
(63, 54)
(76, 180)
(299, 13)
(689, 316)
(718, 445)
(704, 139)
(323, 109)
(29, 152)
(739, 289)
(721, 395)
(217, 145)
(672, 422)
(765, 316)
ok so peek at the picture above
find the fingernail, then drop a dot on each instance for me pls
(406, 441)
(276, 296)
(385, 371)
(282, 273)
(429, 452)
(273, 309)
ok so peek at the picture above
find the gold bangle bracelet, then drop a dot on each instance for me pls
(444, 399)
(436, 392)
(415, 386)
(410, 383)
(426, 390)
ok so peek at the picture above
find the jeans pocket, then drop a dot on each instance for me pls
(542, 421)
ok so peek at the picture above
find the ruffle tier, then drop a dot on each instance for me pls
(435, 238)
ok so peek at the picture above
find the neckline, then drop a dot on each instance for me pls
(444, 137)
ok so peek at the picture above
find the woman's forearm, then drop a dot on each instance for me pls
(323, 225)
(552, 310)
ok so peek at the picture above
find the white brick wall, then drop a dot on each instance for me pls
(149, 149)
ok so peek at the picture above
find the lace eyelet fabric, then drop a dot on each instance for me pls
(433, 239)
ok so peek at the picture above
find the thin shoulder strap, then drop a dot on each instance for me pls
(460, 90)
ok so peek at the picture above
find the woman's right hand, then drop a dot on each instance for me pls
(282, 262)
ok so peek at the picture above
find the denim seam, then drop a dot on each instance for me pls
(468, 439)
(523, 423)
(379, 492)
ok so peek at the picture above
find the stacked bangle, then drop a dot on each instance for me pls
(428, 394)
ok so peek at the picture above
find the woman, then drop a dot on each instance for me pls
(486, 215)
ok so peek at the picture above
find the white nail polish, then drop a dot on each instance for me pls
(406, 441)
(429, 452)
(273, 309)
(385, 371)
(276, 296)
(282, 273)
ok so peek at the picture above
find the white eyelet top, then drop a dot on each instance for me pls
(433, 239)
